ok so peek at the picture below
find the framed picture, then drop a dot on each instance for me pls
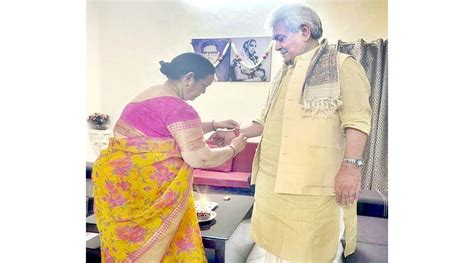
(237, 59)
(213, 49)
(251, 59)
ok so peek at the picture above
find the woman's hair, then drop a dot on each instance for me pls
(185, 63)
(296, 15)
(247, 44)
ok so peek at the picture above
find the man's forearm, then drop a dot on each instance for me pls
(254, 130)
(348, 179)
(355, 143)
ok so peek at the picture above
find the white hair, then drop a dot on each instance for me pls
(294, 16)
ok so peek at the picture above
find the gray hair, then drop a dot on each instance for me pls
(294, 16)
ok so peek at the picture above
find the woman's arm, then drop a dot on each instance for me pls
(197, 154)
(214, 125)
(222, 138)
(188, 132)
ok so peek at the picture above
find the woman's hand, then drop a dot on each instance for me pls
(238, 143)
(227, 124)
(222, 138)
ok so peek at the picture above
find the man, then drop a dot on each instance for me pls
(307, 168)
(242, 73)
(210, 50)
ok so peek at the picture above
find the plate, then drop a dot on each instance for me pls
(210, 205)
(213, 215)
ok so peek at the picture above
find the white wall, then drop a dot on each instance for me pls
(126, 40)
(94, 87)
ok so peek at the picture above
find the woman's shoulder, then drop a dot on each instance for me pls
(168, 102)
(155, 99)
(164, 105)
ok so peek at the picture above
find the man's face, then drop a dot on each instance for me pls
(211, 53)
(289, 44)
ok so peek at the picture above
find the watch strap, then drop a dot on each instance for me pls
(355, 162)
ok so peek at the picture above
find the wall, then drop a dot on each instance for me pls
(94, 87)
(126, 40)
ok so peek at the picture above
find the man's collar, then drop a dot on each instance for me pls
(305, 56)
(308, 54)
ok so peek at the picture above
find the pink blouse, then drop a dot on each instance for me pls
(157, 117)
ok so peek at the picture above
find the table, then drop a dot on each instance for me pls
(227, 232)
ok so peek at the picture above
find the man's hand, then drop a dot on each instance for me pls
(222, 138)
(348, 184)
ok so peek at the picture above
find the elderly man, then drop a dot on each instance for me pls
(314, 127)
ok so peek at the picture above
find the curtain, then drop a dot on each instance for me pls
(373, 57)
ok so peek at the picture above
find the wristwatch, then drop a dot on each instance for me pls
(356, 162)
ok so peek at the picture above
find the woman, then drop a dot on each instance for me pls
(143, 198)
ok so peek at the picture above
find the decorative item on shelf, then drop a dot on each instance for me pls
(98, 121)
(99, 139)
(99, 134)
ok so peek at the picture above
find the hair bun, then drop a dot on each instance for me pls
(165, 67)
(185, 63)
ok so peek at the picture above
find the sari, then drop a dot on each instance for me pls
(143, 200)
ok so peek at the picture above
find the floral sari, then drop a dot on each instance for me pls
(144, 204)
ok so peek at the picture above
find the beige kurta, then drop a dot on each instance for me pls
(298, 228)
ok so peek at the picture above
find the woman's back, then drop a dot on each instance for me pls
(153, 117)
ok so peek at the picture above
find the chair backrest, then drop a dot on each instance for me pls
(243, 160)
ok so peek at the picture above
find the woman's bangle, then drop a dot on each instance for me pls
(212, 126)
(233, 149)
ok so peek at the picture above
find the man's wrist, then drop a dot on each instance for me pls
(349, 166)
(349, 169)
(355, 162)
(245, 132)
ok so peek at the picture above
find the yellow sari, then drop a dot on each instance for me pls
(144, 204)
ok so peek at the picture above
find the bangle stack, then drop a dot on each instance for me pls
(233, 149)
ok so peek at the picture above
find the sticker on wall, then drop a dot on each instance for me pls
(238, 59)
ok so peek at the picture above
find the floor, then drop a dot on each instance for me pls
(256, 255)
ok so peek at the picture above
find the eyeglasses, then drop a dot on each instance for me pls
(210, 53)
